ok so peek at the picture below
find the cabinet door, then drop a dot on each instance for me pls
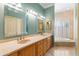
(28, 51)
(42, 47)
(45, 45)
(49, 42)
(39, 48)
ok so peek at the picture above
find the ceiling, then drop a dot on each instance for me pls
(46, 5)
(59, 7)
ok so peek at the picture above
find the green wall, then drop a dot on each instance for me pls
(49, 13)
(1, 21)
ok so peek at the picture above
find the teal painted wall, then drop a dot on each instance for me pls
(49, 13)
(1, 21)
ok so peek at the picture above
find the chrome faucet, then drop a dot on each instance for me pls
(20, 38)
(41, 33)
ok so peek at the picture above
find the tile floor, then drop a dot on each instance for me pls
(61, 51)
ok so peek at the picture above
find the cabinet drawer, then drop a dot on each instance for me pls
(28, 51)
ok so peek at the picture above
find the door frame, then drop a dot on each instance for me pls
(77, 42)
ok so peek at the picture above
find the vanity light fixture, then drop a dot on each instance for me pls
(16, 4)
(19, 5)
(14, 7)
(42, 17)
(31, 12)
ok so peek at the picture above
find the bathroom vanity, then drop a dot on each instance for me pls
(36, 45)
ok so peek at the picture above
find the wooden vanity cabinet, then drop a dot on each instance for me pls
(39, 48)
(28, 51)
(13, 54)
(47, 44)
(43, 46)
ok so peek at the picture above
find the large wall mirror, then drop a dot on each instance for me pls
(48, 25)
(40, 25)
(14, 22)
(13, 26)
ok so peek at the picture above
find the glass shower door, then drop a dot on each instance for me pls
(61, 29)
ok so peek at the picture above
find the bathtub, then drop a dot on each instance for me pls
(64, 42)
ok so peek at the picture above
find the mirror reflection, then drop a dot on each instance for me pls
(20, 19)
(13, 21)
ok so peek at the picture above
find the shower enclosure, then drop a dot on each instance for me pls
(64, 17)
(61, 29)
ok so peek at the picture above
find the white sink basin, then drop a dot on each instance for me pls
(23, 41)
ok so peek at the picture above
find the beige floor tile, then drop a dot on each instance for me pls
(61, 51)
